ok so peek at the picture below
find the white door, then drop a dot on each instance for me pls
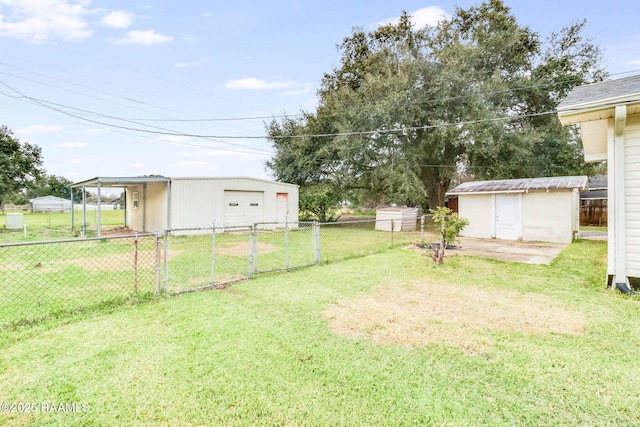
(508, 215)
(282, 207)
(243, 207)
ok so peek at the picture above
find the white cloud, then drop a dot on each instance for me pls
(296, 92)
(39, 129)
(196, 164)
(118, 19)
(138, 165)
(72, 145)
(634, 62)
(146, 38)
(422, 17)
(41, 20)
(256, 84)
(195, 63)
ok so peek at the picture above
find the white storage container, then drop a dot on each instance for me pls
(14, 221)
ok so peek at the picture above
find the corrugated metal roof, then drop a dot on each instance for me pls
(521, 185)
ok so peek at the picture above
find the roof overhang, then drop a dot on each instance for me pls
(595, 119)
(598, 110)
(119, 182)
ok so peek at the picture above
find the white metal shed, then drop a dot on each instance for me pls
(531, 209)
(50, 204)
(161, 203)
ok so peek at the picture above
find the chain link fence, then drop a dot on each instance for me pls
(44, 278)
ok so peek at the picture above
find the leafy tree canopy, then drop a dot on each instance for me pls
(409, 110)
(20, 164)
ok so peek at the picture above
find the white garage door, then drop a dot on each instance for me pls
(243, 207)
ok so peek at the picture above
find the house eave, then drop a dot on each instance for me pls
(597, 110)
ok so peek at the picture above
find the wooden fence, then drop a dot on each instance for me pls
(593, 212)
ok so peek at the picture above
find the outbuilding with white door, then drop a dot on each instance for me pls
(530, 209)
(162, 203)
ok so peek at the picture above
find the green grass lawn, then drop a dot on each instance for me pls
(261, 352)
(56, 225)
(593, 228)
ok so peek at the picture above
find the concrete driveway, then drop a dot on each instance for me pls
(508, 250)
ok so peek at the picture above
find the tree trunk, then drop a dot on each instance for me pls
(436, 186)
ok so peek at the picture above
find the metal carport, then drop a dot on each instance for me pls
(116, 182)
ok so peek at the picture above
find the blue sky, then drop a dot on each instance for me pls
(71, 68)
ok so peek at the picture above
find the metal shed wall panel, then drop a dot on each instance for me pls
(549, 217)
(478, 209)
(199, 202)
(151, 213)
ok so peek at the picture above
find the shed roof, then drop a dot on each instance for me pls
(109, 181)
(49, 199)
(521, 185)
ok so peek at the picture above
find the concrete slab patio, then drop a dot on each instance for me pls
(508, 250)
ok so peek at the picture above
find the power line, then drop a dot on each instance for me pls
(166, 133)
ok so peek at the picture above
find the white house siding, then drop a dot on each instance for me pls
(632, 195)
(549, 217)
(478, 209)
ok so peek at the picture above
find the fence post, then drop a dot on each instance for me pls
(286, 243)
(393, 224)
(135, 264)
(157, 264)
(213, 255)
(316, 241)
(251, 252)
(422, 218)
(165, 279)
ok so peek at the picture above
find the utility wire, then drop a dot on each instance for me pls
(45, 105)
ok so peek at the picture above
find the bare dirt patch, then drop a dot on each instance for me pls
(242, 249)
(424, 313)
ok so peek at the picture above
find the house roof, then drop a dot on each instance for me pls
(521, 185)
(603, 91)
(598, 182)
(597, 194)
(597, 101)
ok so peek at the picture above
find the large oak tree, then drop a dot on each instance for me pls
(410, 110)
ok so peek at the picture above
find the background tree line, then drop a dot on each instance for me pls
(22, 176)
(411, 111)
